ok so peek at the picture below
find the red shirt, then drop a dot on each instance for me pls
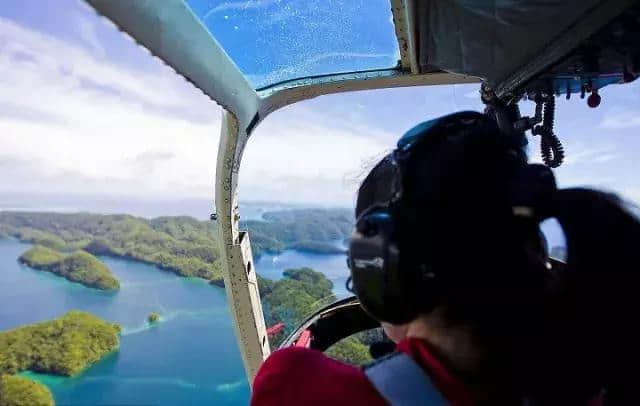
(299, 376)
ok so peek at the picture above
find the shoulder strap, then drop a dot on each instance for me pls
(401, 381)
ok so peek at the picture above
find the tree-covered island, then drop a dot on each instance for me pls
(64, 346)
(182, 245)
(66, 243)
(79, 266)
(19, 391)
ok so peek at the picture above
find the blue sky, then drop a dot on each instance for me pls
(85, 111)
(276, 40)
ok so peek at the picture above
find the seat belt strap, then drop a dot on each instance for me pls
(401, 381)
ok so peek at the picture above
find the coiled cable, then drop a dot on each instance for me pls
(551, 148)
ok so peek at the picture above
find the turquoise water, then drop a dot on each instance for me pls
(190, 357)
(334, 267)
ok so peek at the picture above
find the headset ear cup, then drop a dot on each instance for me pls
(374, 260)
(401, 291)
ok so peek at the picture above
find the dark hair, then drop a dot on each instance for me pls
(597, 339)
(559, 335)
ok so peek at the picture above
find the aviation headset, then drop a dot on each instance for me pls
(396, 286)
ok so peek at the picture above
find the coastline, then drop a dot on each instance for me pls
(218, 282)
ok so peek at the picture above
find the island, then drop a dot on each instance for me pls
(19, 391)
(182, 245)
(312, 230)
(298, 294)
(80, 267)
(189, 247)
(153, 317)
(63, 346)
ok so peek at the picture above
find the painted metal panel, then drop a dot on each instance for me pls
(404, 19)
(237, 261)
(294, 91)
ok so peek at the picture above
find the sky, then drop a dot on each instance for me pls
(84, 111)
(276, 40)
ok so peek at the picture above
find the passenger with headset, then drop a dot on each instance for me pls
(447, 254)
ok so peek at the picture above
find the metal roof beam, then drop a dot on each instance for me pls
(404, 21)
(240, 278)
(284, 94)
(170, 31)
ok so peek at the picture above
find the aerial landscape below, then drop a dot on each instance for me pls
(182, 245)
(173, 249)
(74, 247)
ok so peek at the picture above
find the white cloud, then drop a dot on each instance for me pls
(605, 157)
(307, 162)
(632, 193)
(577, 152)
(75, 122)
(72, 122)
(89, 36)
(621, 119)
(84, 125)
(474, 94)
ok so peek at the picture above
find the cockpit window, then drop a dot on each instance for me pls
(277, 40)
(600, 145)
(328, 145)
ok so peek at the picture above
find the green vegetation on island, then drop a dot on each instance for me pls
(296, 296)
(64, 346)
(40, 256)
(19, 391)
(312, 230)
(65, 244)
(182, 245)
(350, 350)
(79, 266)
(179, 244)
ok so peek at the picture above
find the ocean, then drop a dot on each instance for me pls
(189, 357)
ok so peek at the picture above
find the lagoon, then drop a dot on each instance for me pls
(189, 357)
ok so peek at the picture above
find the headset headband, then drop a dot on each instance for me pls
(428, 133)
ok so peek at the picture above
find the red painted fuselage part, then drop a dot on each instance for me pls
(275, 329)
(304, 340)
